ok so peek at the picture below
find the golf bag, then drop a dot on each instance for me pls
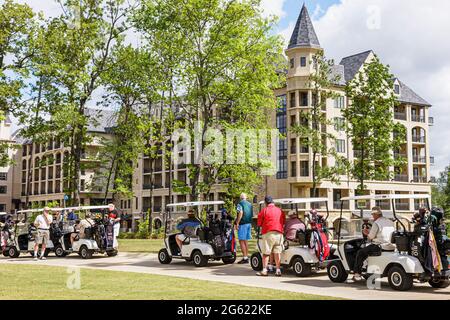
(319, 239)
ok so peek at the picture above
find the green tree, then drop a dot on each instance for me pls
(78, 50)
(17, 25)
(370, 124)
(441, 191)
(313, 124)
(223, 60)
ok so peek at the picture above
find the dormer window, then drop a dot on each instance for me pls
(397, 89)
(292, 63)
(303, 62)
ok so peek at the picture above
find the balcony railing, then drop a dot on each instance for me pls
(337, 205)
(419, 159)
(418, 118)
(400, 155)
(403, 206)
(418, 179)
(419, 139)
(401, 178)
(400, 116)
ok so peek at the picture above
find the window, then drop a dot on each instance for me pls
(339, 124)
(303, 99)
(292, 63)
(292, 98)
(397, 89)
(304, 168)
(293, 169)
(2, 207)
(3, 189)
(3, 176)
(303, 62)
(339, 102)
(340, 146)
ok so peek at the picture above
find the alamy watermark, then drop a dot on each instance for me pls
(213, 146)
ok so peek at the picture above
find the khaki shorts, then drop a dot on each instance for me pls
(42, 237)
(272, 242)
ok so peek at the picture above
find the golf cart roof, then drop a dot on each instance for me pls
(83, 208)
(388, 197)
(195, 204)
(65, 209)
(3, 213)
(298, 200)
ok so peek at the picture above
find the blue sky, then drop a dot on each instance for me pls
(292, 9)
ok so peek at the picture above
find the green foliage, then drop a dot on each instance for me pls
(221, 57)
(143, 229)
(370, 124)
(441, 191)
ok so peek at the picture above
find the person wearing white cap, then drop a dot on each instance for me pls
(380, 239)
(42, 223)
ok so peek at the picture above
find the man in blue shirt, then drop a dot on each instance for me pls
(243, 225)
(188, 228)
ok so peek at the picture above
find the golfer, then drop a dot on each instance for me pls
(271, 220)
(113, 215)
(42, 223)
(243, 225)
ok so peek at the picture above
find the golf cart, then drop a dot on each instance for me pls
(403, 264)
(99, 235)
(300, 254)
(213, 241)
(20, 236)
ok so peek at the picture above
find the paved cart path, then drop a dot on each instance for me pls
(239, 274)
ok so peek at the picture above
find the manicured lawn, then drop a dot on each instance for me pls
(27, 282)
(154, 245)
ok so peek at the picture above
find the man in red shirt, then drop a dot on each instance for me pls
(271, 221)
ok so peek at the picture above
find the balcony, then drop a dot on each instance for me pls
(401, 178)
(402, 206)
(400, 155)
(400, 116)
(420, 159)
(293, 149)
(337, 205)
(419, 139)
(417, 118)
(419, 179)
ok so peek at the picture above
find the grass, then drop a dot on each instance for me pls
(26, 282)
(154, 245)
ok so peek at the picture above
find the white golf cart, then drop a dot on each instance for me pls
(21, 236)
(100, 236)
(296, 255)
(213, 241)
(401, 266)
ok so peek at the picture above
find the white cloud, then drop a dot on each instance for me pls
(273, 7)
(409, 35)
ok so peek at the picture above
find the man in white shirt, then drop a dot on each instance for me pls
(42, 223)
(380, 237)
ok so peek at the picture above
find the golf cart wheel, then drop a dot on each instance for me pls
(164, 257)
(336, 272)
(256, 261)
(199, 259)
(400, 280)
(85, 253)
(112, 253)
(301, 269)
(229, 260)
(5, 253)
(59, 251)
(439, 283)
(13, 252)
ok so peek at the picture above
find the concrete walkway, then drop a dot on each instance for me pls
(318, 284)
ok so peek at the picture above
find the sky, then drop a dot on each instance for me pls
(408, 35)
